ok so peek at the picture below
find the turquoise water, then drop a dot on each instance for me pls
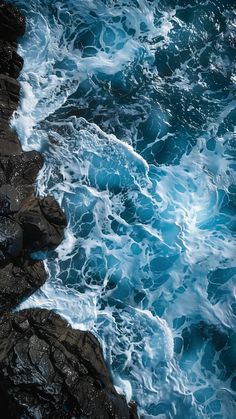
(133, 105)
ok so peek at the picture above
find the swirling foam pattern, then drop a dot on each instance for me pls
(133, 104)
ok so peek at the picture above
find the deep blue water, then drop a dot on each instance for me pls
(133, 104)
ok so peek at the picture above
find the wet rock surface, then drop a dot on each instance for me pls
(9, 141)
(12, 22)
(9, 96)
(23, 169)
(10, 62)
(11, 239)
(48, 370)
(19, 278)
(9, 200)
(39, 233)
(27, 223)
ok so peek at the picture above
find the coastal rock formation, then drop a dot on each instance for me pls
(10, 62)
(48, 370)
(19, 279)
(27, 223)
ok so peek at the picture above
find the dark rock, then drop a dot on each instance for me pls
(52, 211)
(39, 233)
(41, 220)
(48, 370)
(10, 62)
(9, 96)
(3, 178)
(9, 143)
(9, 200)
(19, 280)
(11, 239)
(20, 171)
(27, 224)
(23, 169)
(12, 22)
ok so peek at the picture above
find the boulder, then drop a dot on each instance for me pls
(9, 200)
(27, 224)
(11, 239)
(41, 232)
(50, 371)
(52, 211)
(19, 279)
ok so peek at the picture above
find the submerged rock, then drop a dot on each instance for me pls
(48, 370)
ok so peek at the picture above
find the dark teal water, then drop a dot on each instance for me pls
(133, 104)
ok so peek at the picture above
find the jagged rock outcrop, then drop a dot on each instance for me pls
(42, 230)
(10, 62)
(48, 370)
(9, 96)
(27, 223)
(9, 140)
(18, 279)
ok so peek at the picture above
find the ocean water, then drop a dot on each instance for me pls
(132, 103)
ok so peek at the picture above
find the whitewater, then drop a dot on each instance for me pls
(133, 105)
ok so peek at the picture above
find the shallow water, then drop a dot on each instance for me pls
(133, 105)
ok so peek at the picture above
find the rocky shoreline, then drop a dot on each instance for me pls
(47, 369)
